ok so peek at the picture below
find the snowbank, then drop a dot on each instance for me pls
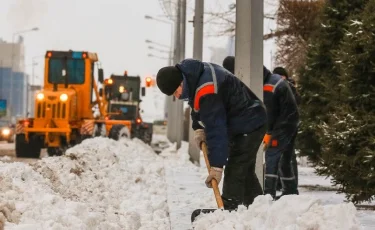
(99, 184)
(290, 212)
(187, 192)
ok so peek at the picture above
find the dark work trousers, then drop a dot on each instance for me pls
(279, 163)
(241, 184)
(290, 148)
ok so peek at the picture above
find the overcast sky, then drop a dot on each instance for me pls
(115, 29)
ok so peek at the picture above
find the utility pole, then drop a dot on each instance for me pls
(183, 29)
(197, 54)
(172, 122)
(179, 103)
(249, 55)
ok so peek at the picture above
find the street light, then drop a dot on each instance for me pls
(12, 65)
(160, 50)
(157, 19)
(156, 43)
(171, 23)
(159, 57)
(35, 63)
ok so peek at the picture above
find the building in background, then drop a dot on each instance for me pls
(18, 76)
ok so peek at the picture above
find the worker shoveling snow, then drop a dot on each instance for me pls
(290, 212)
(106, 184)
(99, 184)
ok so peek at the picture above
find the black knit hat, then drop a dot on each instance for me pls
(168, 79)
(281, 71)
(228, 64)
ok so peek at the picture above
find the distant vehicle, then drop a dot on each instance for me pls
(64, 107)
(123, 95)
(6, 131)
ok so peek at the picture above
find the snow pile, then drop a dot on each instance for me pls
(99, 184)
(290, 212)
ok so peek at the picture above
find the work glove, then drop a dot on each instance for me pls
(215, 173)
(199, 137)
(266, 141)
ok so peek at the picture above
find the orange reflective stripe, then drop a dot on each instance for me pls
(208, 89)
(268, 88)
(274, 143)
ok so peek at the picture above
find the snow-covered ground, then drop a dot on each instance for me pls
(104, 184)
(99, 184)
(311, 210)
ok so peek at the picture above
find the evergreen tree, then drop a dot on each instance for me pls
(318, 78)
(349, 136)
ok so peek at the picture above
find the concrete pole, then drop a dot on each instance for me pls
(179, 103)
(168, 100)
(172, 123)
(183, 29)
(197, 54)
(249, 54)
(171, 45)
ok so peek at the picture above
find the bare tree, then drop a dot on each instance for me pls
(226, 21)
(296, 22)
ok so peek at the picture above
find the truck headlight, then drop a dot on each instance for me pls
(40, 96)
(64, 97)
(5, 132)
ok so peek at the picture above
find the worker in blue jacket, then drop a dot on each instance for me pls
(283, 118)
(292, 84)
(226, 115)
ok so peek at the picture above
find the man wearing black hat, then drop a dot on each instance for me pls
(228, 116)
(284, 74)
(283, 118)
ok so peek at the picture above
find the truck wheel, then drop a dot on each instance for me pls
(58, 151)
(118, 132)
(28, 150)
(147, 136)
(136, 133)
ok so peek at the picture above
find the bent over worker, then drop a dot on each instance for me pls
(283, 117)
(226, 115)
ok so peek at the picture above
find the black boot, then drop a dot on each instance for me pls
(270, 186)
(289, 188)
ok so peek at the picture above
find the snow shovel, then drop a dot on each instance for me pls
(215, 187)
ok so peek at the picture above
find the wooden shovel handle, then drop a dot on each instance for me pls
(214, 184)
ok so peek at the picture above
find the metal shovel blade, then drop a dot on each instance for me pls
(197, 212)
